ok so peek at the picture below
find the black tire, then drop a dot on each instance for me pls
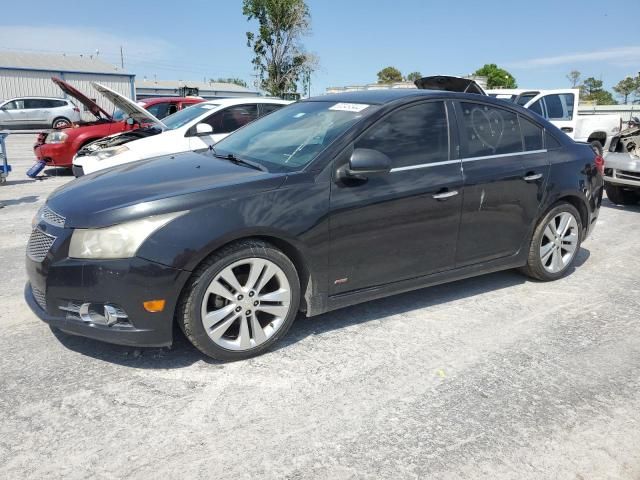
(597, 147)
(534, 267)
(620, 196)
(61, 122)
(189, 315)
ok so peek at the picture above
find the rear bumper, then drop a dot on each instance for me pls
(55, 154)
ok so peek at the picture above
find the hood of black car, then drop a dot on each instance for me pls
(159, 185)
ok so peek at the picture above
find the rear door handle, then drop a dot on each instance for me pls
(444, 195)
(533, 177)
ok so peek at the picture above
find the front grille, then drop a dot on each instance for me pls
(627, 174)
(39, 245)
(52, 217)
(40, 297)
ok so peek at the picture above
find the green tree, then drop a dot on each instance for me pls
(496, 77)
(591, 90)
(574, 78)
(627, 87)
(413, 76)
(389, 75)
(279, 57)
(235, 81)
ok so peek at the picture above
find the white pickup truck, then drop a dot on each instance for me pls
(560, 107)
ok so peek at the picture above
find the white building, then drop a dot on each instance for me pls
(176, 88)
(29, 74)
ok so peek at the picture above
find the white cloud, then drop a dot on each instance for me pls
(76, 40)
(619, 56)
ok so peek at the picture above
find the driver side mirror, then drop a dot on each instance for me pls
(365, 161)
(203, 129)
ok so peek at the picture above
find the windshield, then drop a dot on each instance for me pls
(188, 114)
(290, 138)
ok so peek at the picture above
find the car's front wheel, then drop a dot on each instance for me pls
(620, 196)
(555, 243)
(241, 301)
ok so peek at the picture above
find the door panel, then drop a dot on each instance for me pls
(389, 227)
(499, 205)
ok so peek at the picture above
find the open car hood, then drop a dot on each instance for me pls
(92, 106)
(450, 84)
(129, 107)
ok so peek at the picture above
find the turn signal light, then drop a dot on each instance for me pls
(154, 306)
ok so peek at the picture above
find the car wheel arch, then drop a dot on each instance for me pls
(293, 252)
(574, 200)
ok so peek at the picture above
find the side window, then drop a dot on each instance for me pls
(233, 118)
(269, 107)
(537, 108)
(411, 136)
(173, 108)
(159, 110)
(488, 130)
(58, 103)
(531, 133)
(30, 103)
(15, 105)
(551, 142)
(559, 106)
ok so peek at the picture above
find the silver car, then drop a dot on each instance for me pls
(38, 112)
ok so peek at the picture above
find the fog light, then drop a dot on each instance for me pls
(154, 306)
(98, 314)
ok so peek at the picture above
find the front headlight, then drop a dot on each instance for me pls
(117, 241)
(111, 152)
(56, 137)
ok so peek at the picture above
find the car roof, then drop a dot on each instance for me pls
(242, 100)
(152, 100)
(34, 98)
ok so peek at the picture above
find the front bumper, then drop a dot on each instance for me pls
(126, 283)
(622, 169)
(55, 154)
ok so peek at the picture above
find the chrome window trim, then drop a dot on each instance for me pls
(463, 160)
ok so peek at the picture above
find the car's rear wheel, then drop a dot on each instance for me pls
(61, 122)
(555, 243)
(241, 301)
(620, 196)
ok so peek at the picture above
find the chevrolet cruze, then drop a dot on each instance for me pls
(325, 203)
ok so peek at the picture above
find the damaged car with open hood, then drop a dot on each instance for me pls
(622, 167)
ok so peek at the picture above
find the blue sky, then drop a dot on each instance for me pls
(537, 41)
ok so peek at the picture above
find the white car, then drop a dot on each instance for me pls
(195, 128)
(560, 107)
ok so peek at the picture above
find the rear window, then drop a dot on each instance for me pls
(489, 130)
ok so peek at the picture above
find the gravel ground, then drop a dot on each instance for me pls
(495, 377)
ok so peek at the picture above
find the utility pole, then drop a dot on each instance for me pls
(121, 58)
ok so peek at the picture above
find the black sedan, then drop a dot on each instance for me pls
(326, 203)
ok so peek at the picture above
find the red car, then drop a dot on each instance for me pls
(58, 147)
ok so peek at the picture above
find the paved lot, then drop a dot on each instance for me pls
(493, 377)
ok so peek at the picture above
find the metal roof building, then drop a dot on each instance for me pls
(176, 88)
(29, 74)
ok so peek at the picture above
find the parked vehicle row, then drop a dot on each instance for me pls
(324, 203)
(58, 147)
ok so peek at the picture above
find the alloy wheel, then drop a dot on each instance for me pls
(246, 304)
(559, 242)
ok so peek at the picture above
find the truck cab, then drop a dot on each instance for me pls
(560, 107)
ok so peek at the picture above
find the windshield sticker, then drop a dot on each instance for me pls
(208, 107)
(349, 107)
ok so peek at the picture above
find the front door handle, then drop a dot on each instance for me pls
(532, 177)
(444, 195)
